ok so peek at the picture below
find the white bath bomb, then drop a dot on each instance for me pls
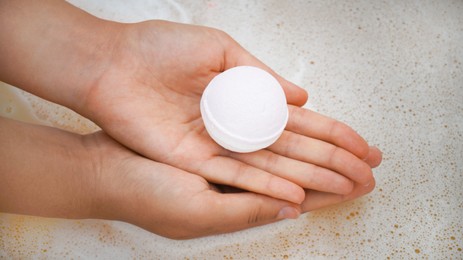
(244, 109)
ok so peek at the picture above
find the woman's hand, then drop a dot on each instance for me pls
(178, 204)
(53, 173)
(142, 84)
(148, 99)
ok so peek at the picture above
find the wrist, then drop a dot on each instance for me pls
(93, 54)
(53, 49)
(46, 172)
(106, 182)
(86, 61)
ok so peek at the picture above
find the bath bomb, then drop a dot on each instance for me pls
(244, 109)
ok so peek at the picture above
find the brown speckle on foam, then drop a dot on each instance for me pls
(392, 71)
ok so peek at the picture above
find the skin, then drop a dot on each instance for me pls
(141, 83)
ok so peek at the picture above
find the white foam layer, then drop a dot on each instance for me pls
(392, 70)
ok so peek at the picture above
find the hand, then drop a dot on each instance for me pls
(93, 176)
(171, 202)
(148, 99)
(177, 204)
(142, 83)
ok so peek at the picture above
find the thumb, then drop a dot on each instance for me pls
(237, 211)
(236, 55)
(295, 95)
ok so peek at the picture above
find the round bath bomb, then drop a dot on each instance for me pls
(244, 109)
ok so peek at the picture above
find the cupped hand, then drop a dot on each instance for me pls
(148, 99)
(93, 176)
(177, 204)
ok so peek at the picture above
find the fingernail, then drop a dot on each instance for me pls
(288, 213)
(369, 151)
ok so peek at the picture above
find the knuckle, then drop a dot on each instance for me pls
(310, 179)
(237, 175)
(296, 118)
(291, 141)
(271, 161)
(339, 130)
(332, 154)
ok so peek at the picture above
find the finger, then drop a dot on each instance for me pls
(294, 95)
(316, 199)
(374, 157)
(312, 124)
(239, 211)
(224, 170)
(323, 154)
(306, 175)
(238, 56)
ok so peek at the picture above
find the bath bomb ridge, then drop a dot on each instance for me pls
(244, 109)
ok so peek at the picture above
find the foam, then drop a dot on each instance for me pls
(23, 106)
(393, 72)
